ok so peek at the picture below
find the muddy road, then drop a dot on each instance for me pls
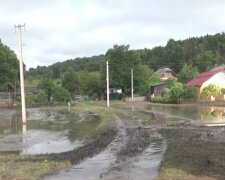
(134, 153)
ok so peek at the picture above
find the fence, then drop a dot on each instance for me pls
(5, 99)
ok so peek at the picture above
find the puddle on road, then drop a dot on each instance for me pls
(49, 130)
(104, 165)
(144, 166)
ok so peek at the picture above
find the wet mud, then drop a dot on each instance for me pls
(133, 151)
(196, 151)
(133, 148)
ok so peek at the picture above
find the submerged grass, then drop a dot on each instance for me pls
(11, 167)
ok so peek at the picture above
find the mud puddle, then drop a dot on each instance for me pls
(49, 130)
(117, 162)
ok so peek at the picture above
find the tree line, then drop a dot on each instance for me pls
(86, 76)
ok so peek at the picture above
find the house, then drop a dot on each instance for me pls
(157, 89)
(165, 73)
(215, 77)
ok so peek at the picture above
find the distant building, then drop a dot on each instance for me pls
(165, 73)
(157, 89)
(114, 93)
(216, 77)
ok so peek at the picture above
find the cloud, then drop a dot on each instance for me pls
(58, 30)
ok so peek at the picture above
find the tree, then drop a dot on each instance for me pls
(9, 68)
(47, 85)
(121, 60)
(91, 83)
(187, 73)
(142, 79)
(71, 82)
(174, 55)
(60, 94)
(205, 60)
(41, 97)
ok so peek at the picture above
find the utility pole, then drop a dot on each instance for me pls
(132, 85)
(107, 82)
(18, 29)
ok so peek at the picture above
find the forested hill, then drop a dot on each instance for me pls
(202, 52)
(88, 64)
(9, 68)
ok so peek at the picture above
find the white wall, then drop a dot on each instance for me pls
(218, 80)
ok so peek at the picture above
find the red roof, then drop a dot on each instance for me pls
(201, 78)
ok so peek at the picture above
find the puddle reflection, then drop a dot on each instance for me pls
(195, 114)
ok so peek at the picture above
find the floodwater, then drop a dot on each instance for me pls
(194, 114)
(48, 130)
(54, 130)
(105, 165)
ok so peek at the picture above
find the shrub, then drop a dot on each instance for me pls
(189, 93)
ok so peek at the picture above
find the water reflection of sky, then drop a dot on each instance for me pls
(49, 130)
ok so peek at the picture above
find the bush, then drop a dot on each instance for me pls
(176, 91)
(189, 93)
(211, 90)
(60, 94)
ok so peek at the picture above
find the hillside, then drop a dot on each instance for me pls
(202, 52)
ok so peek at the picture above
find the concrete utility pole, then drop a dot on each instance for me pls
(132, 85)
(107, 81)
(18, 29)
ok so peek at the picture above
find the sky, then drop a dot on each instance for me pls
(58, 30)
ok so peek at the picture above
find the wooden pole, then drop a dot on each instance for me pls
(107, 81)
(18, 28)
(132, 85)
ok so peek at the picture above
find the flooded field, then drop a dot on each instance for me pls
(135, 152)
(48, 130)
(195, 114)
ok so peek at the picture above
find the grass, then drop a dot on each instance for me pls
(11, 167)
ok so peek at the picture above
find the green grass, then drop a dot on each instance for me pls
(18, 167)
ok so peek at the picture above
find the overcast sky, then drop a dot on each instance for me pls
(57, 30)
